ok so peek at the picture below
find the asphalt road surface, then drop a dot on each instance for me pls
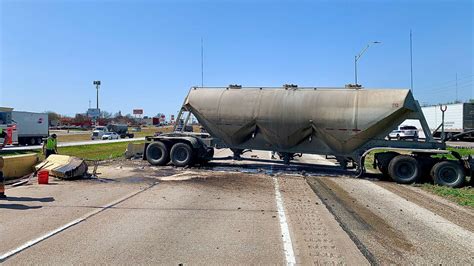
(231, 212)
(461, 144)
(70, 144)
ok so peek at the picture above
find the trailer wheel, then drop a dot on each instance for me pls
(404, 169)
(157, 153)
(206, 157)
(382, 160)
(448, 173)
(181, 154)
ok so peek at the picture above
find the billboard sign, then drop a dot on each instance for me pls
(137, 111)
(93, 113)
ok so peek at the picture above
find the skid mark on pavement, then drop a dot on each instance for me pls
(37, 240)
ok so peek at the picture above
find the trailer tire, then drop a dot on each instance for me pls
(382, 160)
(404, 169)
(182, 154)
(157, 153)
(448, 173)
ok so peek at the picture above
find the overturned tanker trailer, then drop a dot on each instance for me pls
(347, 123)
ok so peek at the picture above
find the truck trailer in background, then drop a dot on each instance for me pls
(24, 128)
(458, 119)
(121, 130)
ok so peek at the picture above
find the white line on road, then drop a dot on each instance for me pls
(35, 241)
(285, 231)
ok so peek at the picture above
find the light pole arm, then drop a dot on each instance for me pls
(362, 52)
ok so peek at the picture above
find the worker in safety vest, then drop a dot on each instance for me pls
(50, 146)
(2, 181)
(3, 136)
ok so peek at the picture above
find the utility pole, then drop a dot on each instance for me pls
(457, 87)
(89, 103)
(357, 57)
(202, 63)
(411, 63)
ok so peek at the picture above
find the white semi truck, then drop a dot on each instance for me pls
(24, 128)
(458, 121)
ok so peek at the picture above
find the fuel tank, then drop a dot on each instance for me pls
(334, 121)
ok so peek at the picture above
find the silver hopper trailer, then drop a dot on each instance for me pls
(347, 123)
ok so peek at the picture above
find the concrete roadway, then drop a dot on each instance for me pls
(232, 212)
(70, 144)
(136, 214)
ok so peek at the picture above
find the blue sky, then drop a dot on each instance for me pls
(147, 53)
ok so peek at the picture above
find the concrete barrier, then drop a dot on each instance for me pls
(18, 165)
(134, 149)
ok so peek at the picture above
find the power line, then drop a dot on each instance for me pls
(452, 86)
(450, 81)
(411, 63)
(456, 86)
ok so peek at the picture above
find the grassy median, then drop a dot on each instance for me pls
(97, 151)
(462, 196)
(86, 152)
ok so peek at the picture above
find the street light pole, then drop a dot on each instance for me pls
(357, 57)
(97, 84)
(355, 68)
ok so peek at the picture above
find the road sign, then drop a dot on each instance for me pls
(137, 111)
(93, 113)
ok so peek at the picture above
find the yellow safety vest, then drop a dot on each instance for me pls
(50, 144)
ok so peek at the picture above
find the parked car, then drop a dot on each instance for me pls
(110, 135)
(99, 132)
(404, 132)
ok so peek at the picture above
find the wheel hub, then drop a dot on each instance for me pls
(448, 174)
(156, 153)
(405, 170)
(181, 155)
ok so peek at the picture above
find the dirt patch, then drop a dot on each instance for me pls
(454, 214)
(376, 239)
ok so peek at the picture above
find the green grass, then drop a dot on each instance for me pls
(87, 152)
(462, 196)
(464, 152)
(97, 151)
